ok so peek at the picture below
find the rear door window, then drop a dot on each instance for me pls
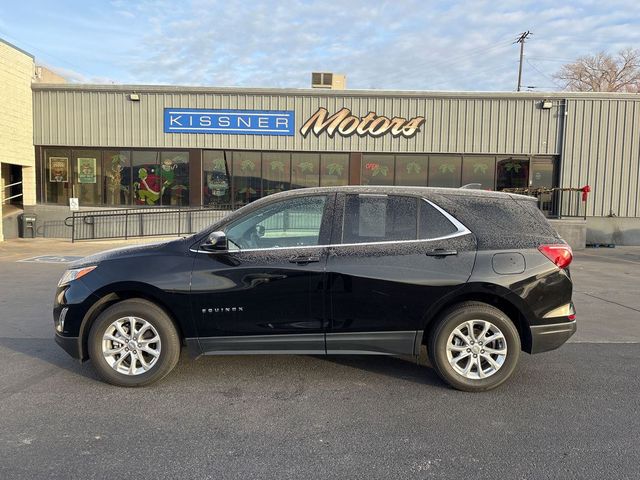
(379, 218)
(433, 223)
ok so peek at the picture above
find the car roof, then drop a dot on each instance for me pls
(401, 190)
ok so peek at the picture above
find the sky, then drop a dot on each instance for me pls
(397, 45)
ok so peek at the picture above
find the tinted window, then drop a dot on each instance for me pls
(411, 170)
(305, 170)
(444, 170)
(433, 224)
(216, 168)
(289, 223)
(479, 169)
(377, 169)
(334, 169)
(379, 218)
(247, 173)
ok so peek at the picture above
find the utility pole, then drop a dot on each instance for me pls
(521, 39)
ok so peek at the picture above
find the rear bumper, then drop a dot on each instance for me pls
(550, 337)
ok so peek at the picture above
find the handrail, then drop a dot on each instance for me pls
(555, 207)
(141, 222)
(4, 199)
(13, 184)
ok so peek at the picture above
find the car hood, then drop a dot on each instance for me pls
(124, 252)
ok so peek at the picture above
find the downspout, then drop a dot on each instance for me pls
(562, 114)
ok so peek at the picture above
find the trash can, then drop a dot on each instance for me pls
(27, 225)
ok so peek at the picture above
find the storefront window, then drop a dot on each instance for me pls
(480, 170)
(87, 176)
(247, 174)
(216, 177)
(147, 186)
(174, 178)
(57, 175)
(411, 170)
(276, 172)
(305, 170)
(512, 173)
(444, 170)
(377, 169)
(334, 169)
(116, 165)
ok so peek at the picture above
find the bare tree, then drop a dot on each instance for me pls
(603, 72)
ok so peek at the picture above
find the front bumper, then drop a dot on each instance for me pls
(71, 345)
(550, 337)
(70, 307)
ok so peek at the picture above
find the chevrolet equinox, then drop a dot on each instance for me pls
(475, 277)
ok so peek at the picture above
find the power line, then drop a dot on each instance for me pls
(544, 74)
(553, 60)
(521, 39)
(451, 61)
(492, 68)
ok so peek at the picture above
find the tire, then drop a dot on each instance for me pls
(157, 349)
(450, 345)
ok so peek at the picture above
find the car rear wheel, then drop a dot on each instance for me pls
(474, 347)
(133, 343)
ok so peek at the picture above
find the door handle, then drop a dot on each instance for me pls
(441, 252)
(304, 259)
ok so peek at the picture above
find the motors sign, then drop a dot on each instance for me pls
(235, 122)
(346, 124)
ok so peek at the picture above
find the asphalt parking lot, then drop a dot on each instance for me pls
(571, 413)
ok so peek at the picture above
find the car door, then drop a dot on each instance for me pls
(391, 257)
(266, 293)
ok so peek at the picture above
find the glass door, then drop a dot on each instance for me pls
(512, 172)
(543, 177)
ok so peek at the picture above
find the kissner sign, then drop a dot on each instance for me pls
(235, 122)
(346, 124)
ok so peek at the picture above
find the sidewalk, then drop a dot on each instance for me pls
(21, 248)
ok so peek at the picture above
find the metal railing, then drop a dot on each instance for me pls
(141, 222)
(558, 202)
(11, 185)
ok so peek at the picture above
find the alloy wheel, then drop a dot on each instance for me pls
(131, 345)
(476, 349)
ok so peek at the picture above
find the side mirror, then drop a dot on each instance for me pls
(216, 242)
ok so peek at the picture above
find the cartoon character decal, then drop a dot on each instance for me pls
(151, 187)
(217, 184)
(148, 189)
(117, 192)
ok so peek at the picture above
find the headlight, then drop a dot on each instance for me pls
(74, 274)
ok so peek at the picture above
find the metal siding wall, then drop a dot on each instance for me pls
(106, 118)
(602, 149)
(601, 137)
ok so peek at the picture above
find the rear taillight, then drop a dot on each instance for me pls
(559, 254)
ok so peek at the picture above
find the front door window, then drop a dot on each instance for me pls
(290, 223)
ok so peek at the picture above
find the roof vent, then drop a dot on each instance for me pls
(327, 80)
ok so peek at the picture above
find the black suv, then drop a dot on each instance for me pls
(474, 276)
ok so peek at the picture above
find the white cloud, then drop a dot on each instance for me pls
(408, 44)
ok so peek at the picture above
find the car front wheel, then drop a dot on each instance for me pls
(133, 343)
(474, 347)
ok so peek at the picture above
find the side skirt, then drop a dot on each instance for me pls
(293, 344)
(372, 343)
(349, 343)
